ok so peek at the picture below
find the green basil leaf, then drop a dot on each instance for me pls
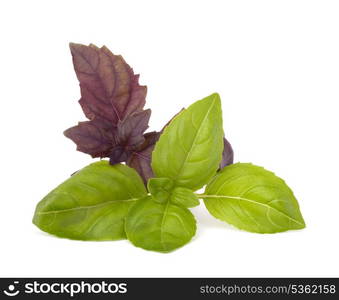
(184, 197)
(92, 204)
(253, 199)
(160, 188)
(159, 227)
(190, 148)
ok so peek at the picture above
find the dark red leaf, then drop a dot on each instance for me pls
(132, 128)
(109, 89)
(92, 138)
(118, 154)
(112, 100)
(140, 159)
(130, 135)
(227, 154)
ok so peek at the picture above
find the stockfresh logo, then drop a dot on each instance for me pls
(70, 288)
(12, 291)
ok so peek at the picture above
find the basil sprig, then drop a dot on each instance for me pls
(105, 202)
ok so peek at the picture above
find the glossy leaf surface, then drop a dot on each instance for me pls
(159, 227)
(92, 204)
(253, 199)
(190, 149)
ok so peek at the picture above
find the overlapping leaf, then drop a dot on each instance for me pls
(187, 152)
(109, 89)
(159, 227)
(92, 204)
(113, 101)
(140, 159)
(104, 202)
(227, 154)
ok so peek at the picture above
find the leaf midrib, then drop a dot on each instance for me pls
(251, 201)
(86, 207)
(162, 225)
(194, 140)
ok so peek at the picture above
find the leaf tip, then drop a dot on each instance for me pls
(213, 99)
(302, 222)
(215, 96)
(67, 133)
(73, 46)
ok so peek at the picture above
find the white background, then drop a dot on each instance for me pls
(276, 67)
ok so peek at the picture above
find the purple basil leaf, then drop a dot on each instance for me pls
(112, 100)
(132, 128)
(118, 154)
(227, 154)
(140, 159)
(109, 89)
(92, 138)
(130, 135)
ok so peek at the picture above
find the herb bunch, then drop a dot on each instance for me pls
(145, 189)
